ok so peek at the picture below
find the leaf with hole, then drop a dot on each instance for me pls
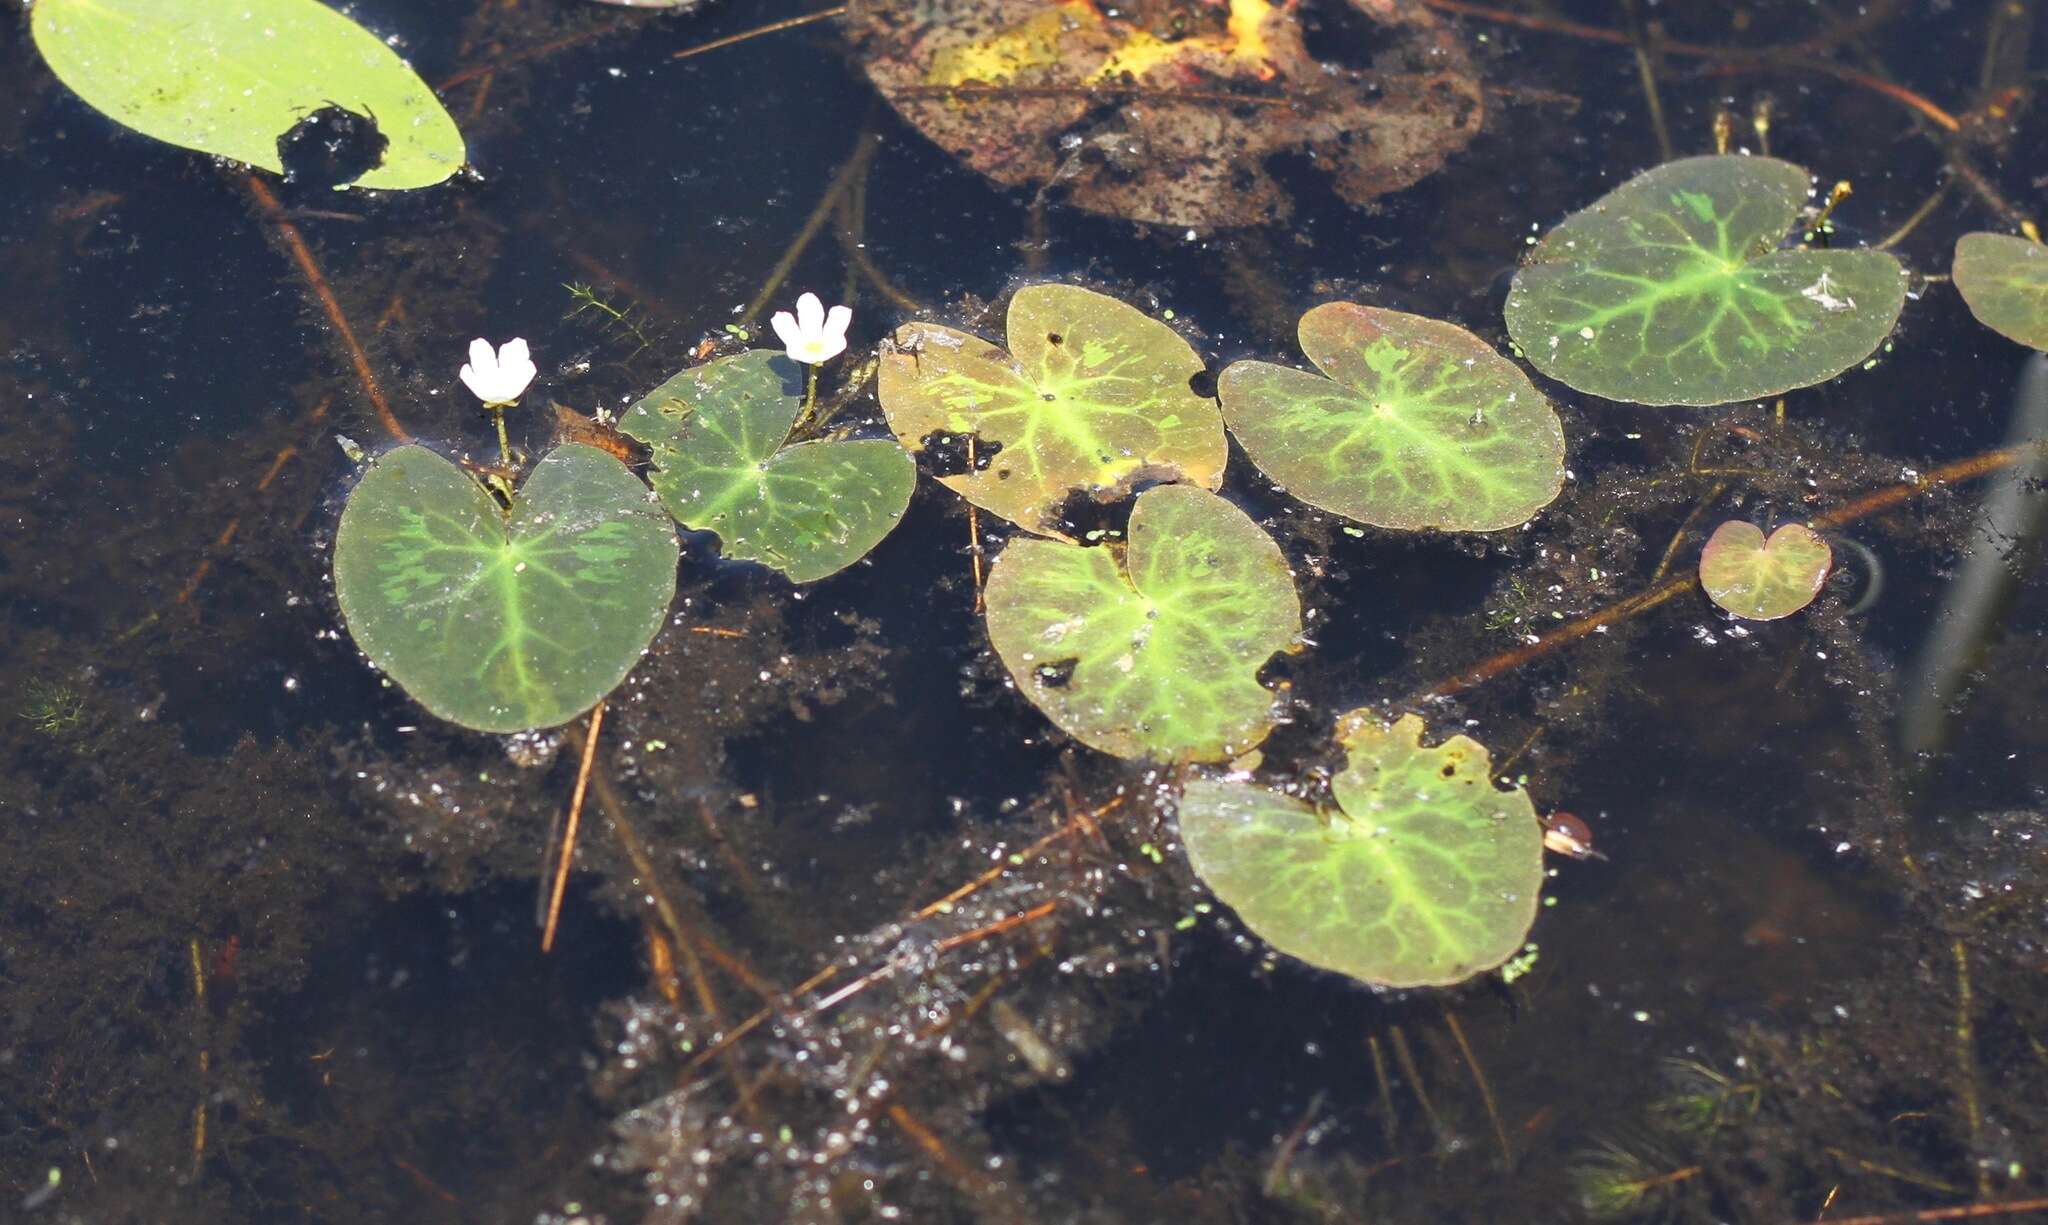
(229, 77)
(1158, 656)
(1419, 424)
(2004, 281)
(1425, 875)
(1759, 579)
(1092, 396)
(1673, 289)
(723, 463)
(504, 621)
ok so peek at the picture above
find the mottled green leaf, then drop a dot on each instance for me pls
(1672, 289)
(1157, 657)
(1764, 580)
(2004, 280)
(1092, 395)
(228, 77)
(1428, 874)
(504, 622)
(1420, 424)
(810, 510)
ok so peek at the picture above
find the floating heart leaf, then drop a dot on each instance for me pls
(1671, 289)
(1160, 657)
(1092, 395)
(1764, 580)
(717, 432)
(2004, 281)
(1428, 876)
(230, 78)
(1420, 424)
(504, 622)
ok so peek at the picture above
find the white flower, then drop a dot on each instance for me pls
(812, 336)
(498, 378)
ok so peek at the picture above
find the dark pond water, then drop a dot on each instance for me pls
(268, 947)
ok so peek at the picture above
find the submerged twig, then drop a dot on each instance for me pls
(773, 27)
(1966, 1065)
(1954, 472)
(547, 934)
(1964, 1212)
(302, 255)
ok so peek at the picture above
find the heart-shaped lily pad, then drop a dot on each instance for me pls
(230, 78)
(1092, 395)
(1420, 424)
(1763, 580)
(1672, 289)
(2004, 280)
(717, 433)
(1427, 876)
(1158, 657)
(504, 622)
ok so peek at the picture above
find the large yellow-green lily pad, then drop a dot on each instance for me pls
(717, 433)
(1763, 580)
(1155, 653)
(1673, 289)
(1419, 424)
(1091, 395)
(2004, 281)
(1425, 875)
(228, 77)
(501, 620)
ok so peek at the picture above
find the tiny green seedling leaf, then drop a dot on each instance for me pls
(2004, 281)
(1158, 657)
(1763, 580)
(1419, 424)
(1426, 875)
(718, 433)
(229, 77)
(501, 621)
(1092, 395)
(1673, 289)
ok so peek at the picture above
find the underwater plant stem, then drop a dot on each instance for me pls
(1389, 1124)
(1406, 1058)
(1678, 537)
(974, 535)
(504, 445)
(1500, 1133)
(547, 934)
(1646, 75)
(1911, 223)
(1966, 1065)
(853, 167)
(852, 235)
(309, 268)
(773, 27)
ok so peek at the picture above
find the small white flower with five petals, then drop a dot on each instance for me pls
(813, 336)
(499, 378)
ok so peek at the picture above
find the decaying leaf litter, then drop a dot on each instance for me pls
(1786, 455)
